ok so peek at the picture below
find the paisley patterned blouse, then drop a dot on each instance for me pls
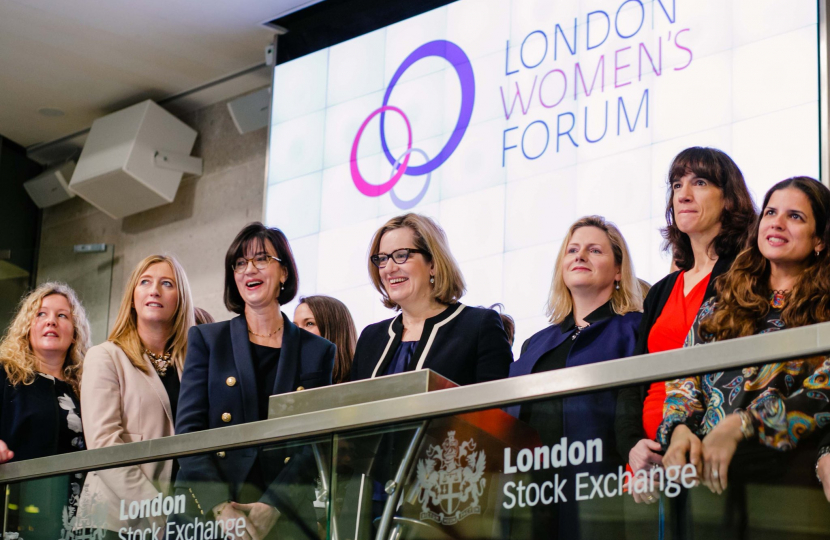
(787, 400)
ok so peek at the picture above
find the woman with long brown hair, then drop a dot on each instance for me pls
(709, 214)
(330, 319)
(781, 280)
(131, 387)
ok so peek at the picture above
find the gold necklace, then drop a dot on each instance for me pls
(160, 361)
(266, 336)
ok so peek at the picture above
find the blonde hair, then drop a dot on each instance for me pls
(16, 354)
(628, 298)
(125, 332)
(449, 284)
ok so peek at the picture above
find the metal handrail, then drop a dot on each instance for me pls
(777, 346)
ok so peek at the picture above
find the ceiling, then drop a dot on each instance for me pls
(89, 58)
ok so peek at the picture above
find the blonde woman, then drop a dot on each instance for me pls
(131, 387)
(594, 307)
(411, 266)
(41, 356)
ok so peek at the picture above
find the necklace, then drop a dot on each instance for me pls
(265, 335)
(778, 299)
(160, 361)
(579, 330)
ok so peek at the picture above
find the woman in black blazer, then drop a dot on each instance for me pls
(412, 268)
(231, 370)
(709, 216)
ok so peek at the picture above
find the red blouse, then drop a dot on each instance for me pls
(668, 333)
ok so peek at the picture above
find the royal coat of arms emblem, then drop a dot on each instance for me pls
(450, 481)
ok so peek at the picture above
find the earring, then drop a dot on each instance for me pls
(282, 286)
(818, 253)
(431, 279)
(617, 285)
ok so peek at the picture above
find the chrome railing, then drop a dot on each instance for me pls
(777, 346)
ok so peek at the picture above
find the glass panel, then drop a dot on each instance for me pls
(555, 472)
(87, 268)
(142, 502)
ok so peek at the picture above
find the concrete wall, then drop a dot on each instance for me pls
(197, 227)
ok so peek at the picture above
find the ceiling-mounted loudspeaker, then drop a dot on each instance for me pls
(52, 186)
(133, 160)
(250, 113)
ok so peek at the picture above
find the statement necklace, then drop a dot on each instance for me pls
(160, 361)
(579, 329)
(778, 299)
(265, 335)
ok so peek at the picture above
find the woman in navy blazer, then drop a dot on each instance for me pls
(594, 306)
(412, 268)
(232, 368)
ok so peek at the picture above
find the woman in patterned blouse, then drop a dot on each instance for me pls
(781, 280)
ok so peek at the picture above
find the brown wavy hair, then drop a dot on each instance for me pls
(16, 354)
(336, 325)
(744, 291)
(737, 217)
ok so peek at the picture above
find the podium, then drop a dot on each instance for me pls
(429, 479)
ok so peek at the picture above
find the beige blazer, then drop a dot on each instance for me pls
(119, 405)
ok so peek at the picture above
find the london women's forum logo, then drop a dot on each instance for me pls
(453, 54)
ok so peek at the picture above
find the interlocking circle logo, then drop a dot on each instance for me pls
(453, 54)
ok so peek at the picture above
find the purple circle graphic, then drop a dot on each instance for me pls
(453, 54)
(411, 203)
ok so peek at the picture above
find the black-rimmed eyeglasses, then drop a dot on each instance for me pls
(400, 256)
(260, 262)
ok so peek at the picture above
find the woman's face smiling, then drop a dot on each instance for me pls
(787, 231)
(406, 284)
(260, 287)
(589, 265)
(52, 329)
(697, 204)
(156, 296)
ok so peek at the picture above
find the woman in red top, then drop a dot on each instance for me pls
(709, 215)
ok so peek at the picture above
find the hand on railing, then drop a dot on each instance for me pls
(5, 453)
(823, 472)
(644, 457)
(683, 443)
(261, 518)
(719, 447)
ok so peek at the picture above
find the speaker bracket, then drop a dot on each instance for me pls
(177, 162)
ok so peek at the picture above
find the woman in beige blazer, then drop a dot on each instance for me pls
(130, 392)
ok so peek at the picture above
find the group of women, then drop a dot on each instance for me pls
(160, 373)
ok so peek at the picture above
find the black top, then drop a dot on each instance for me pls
(464, 344)
(546, 416)
(266, 359)
(39, 419)
(171, 383)
(629, 416)
(70, 429)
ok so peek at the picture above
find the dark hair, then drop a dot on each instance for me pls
(743, 292)
(507, 322)
(738, 213)
(336, 325)
(256, 234)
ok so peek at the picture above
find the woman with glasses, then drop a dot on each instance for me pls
(232, 368)
(413, 270)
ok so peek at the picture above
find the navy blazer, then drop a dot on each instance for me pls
(465, 344)
(591, 415)
(215, 353)
(29, 417)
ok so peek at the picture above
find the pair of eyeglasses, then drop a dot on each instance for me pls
(260, 262)
(400, 256)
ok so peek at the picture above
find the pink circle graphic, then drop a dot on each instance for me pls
(376, 190)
